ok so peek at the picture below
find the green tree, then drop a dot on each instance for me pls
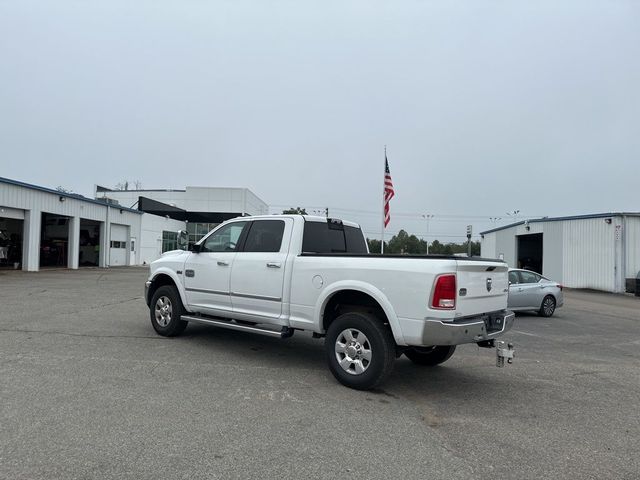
(374, 245)
(295, 211)
(436, 248)
(403, 243)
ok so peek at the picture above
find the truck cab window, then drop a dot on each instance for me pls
(265, 236)
(319, 237)
(225, 239)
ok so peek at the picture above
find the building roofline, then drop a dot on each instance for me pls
(101, 189)
(559, 219)
(75, 196)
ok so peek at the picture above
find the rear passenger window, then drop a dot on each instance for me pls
(355, 240)
(528, 277)
(337, 243)
(265, 236)
(320, 237)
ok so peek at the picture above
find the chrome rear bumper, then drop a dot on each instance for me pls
(464, 330)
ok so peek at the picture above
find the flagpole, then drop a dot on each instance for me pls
(383, 187)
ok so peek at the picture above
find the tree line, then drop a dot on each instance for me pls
(410, 244)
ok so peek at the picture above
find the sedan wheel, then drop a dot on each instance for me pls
(548, 306)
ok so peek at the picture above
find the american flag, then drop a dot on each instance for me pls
(388, 191)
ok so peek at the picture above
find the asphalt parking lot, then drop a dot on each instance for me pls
(88, 390)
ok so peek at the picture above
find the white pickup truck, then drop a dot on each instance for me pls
(280, 273)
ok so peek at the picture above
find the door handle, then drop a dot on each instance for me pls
(273, 265)
(223, 263)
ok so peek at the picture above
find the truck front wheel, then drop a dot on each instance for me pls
(360, 350)
(430, 355)
(165, 310)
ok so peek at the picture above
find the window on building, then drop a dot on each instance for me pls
(198, 230)
(169, 241)
(265, 236)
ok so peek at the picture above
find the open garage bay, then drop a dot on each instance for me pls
(90, 391)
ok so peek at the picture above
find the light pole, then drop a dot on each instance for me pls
(427, 217)
(514, 214)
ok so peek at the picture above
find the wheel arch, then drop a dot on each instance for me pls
(165, 277)
(356, 294)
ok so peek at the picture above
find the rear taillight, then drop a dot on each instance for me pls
(444, 292)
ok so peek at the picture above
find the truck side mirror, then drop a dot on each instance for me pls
(183, 239)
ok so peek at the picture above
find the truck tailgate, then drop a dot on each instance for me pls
(483, 286)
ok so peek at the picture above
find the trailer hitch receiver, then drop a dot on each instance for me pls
(504, 351)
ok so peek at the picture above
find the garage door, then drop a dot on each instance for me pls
(118, 249)
(11, 230)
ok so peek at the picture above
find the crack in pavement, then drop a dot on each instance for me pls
(91, 335)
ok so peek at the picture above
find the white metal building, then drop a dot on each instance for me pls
(599, 251)
(157, 235)
(202, 208)
(41, 227)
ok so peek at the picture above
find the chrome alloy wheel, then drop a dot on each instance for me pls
(548, 306)
(353, 351)
(163, 311)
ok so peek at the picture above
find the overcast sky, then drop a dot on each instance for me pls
(485, 106)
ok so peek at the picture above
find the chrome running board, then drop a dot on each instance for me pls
(285, 332)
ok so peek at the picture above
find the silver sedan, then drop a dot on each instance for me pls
(531, 291)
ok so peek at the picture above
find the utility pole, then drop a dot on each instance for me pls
(427, 217)
(326, 212)
(469, 231)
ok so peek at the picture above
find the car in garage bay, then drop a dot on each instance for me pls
(531, 291)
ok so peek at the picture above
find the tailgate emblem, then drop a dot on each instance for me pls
(489, 284)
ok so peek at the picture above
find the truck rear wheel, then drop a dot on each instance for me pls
(430, 355)
(360, 350)
(165, 310)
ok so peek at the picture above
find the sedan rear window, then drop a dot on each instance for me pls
(528, 277)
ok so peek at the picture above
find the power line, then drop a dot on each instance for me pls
(416, 215)
(433, 235)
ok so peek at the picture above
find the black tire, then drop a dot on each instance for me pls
(167, 323)
(378, 345)
(430, 356)
(548, 306)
